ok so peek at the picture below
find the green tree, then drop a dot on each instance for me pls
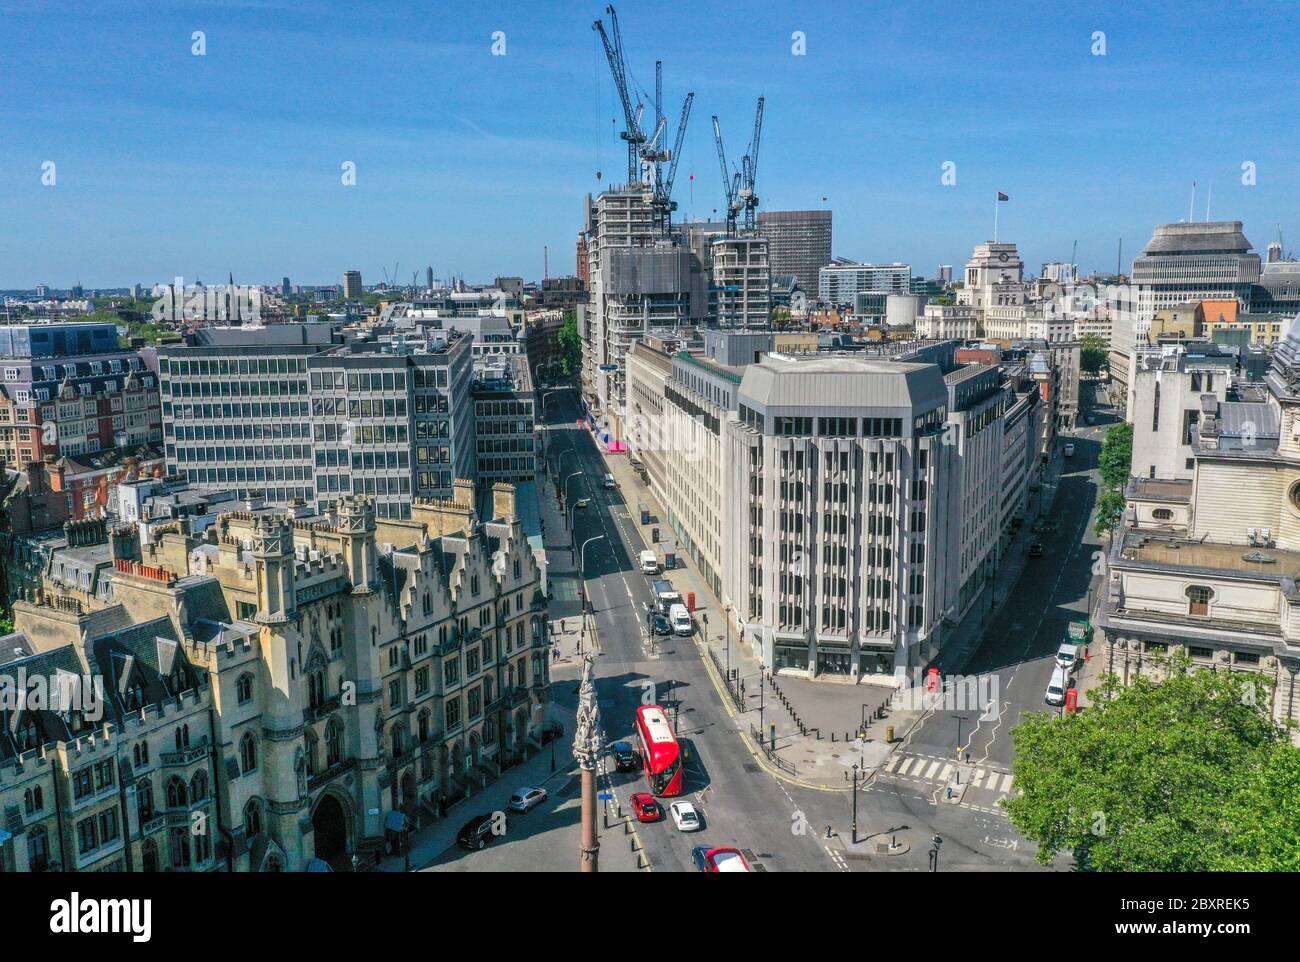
(570, 345)
(1188, 774)
(1110, 511)
(1116, 459)
(1093, 355)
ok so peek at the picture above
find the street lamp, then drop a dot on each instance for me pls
(855, 804)
(582, 576)
(559, 462)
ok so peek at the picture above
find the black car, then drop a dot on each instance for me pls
(662, 626)
(481, 829)
(699, 855)
(626, 758)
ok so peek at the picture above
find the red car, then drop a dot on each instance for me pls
(646, 808)
(719, 859)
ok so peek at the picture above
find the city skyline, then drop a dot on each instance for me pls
(240, 144)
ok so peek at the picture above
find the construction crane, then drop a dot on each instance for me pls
(750, 162)
(664, 203)
(631, 114)
(730, 183)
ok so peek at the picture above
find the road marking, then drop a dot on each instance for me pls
(934, 767)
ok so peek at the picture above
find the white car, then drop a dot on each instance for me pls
(526, 798)
(1056, 687)
(685, 817)
(1069, 450)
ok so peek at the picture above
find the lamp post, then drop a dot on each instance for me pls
(559, 467)
(587, 739)
(855, 804)
(582, 577)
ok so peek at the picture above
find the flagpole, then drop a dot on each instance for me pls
(995, 218)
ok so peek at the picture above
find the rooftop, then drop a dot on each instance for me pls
(1145, 548)
(1150, 489)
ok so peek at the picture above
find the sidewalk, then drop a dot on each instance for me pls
(431, 839)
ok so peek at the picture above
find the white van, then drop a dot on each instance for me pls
(609, 482)
(1056, 687)
(681, 620)
(649, 563)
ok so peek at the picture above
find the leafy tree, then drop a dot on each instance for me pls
(1116, 459)
(1093, 355)
(1188, 774)
(570, 345)
(1110, 511)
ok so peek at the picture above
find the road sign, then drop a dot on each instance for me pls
(606, 796)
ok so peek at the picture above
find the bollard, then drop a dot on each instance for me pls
(819, 735)
(889, 734)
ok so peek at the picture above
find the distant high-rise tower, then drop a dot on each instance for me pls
(351, 285)
(945, 274)
(428, 277)
(798, 244)
(284, 286)
(1274, 252)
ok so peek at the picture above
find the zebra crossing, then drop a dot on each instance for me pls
(933, 770)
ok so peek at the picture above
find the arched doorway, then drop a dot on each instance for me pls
(521, 729)
(330, 825)
(149, 856)
(406, 798)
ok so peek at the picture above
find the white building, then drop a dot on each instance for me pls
(841, 282)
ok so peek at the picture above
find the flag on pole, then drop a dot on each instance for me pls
(1002, 196)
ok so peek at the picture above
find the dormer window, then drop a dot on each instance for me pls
(1198, 597)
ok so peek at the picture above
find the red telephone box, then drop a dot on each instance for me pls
(690, 601)
(1072, 700)
(932, 680)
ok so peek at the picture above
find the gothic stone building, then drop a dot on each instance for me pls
(349, 675)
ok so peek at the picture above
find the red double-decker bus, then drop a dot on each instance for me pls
(660, 753)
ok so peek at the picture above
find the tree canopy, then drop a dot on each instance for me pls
(1185, 775)
(570, 345)
(1093, 354)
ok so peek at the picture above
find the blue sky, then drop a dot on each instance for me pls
(169, 164)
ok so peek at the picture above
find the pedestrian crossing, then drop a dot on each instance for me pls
(941, 771)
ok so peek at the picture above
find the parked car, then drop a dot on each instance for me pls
(662, 626)
(646, 808)
(680, 616)
(626, 758)
(527, 798)
(1067, 656)
(719, 859)
(609, 483)
(481, 829)
(1056, 687)
(1036, 550)
(685, 817)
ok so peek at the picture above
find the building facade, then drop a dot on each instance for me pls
(798, 243)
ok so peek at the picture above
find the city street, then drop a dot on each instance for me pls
(781, 822)
(743, 806)
(1022, 639)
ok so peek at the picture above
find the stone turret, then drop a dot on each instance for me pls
(273, 558)
(356, 523)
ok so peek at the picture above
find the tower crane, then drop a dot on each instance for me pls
(664, 203)
(730, 184)
(747, 193)
(631, 114)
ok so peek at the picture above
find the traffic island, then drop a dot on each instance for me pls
(874, 846)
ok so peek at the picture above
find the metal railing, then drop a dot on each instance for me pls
(770, 753)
